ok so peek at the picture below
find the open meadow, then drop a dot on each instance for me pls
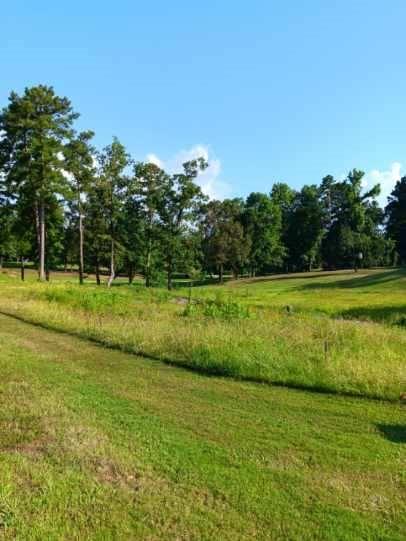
(102, 440)
(339, 332)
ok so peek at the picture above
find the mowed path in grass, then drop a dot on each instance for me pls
(97, 444)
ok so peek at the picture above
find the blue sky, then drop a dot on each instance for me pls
(269, 90)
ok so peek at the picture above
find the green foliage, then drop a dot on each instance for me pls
(263, 223)
(179, 206)
(305, 229)
(225, 243)
(396, 218)
(353, 223)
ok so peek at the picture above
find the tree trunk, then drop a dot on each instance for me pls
(1, 261)
(112, 268)
(22, 269)
(42, 276)
(148, 265)
(221, 274)
(37, 229)
(47, 269)
(169, 276)
(130, 273)
(169, 273)
(97, 272)
(81, 235)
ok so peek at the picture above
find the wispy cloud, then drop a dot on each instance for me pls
(209, 180)
(386, 178)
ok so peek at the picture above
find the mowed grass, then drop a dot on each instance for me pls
(98, 444)
(344, 332)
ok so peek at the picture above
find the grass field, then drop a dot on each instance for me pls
(344, 333)
(372, 295)
(100, 443)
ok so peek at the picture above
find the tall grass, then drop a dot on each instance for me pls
(224, 337)
(218, 308)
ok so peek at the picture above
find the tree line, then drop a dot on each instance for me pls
(63, 202)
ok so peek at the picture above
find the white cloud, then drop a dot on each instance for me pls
(152, 158)
(208, 180)
(387, 180)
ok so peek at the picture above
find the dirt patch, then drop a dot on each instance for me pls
(19, 430)
(107, 471)
(180, 300)
(36, 448)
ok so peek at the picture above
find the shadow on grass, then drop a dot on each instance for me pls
(176, 284)
(292, 276)
(394, 433)
(393, 315)
(372, 279)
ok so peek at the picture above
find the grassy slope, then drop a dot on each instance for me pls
(96, 444)
(375, 295)
(365, 358)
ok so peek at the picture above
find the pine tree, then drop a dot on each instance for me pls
(113, 186)
(35, 128)
(79, 163)
(149, 186)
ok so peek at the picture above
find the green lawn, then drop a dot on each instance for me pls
(98, 444)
